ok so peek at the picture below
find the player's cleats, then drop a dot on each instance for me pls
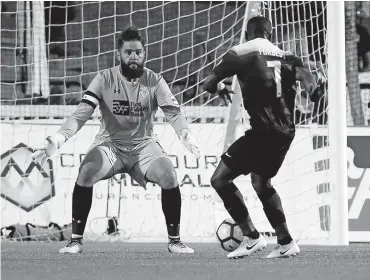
(176, 246)
(248, 246)
(73, 247)
(285, 251)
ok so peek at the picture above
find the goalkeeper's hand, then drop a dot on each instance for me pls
(189, 142)
(224, 93)
(43, 153)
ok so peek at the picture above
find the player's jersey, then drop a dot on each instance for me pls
(266, 75)
(128, 108)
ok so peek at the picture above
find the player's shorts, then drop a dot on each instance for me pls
(134, 162)
(259, 153)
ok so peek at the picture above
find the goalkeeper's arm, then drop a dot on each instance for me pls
(172, 111)
(70, 127)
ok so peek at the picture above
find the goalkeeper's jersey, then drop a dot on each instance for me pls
(128, 107)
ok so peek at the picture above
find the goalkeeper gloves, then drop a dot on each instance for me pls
(224, 93)
(43, 153)
(189, 142)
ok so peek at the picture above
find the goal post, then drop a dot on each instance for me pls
(337, 121)
(185, 40)
(234, 116)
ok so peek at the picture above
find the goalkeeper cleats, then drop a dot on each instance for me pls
(176, 246)
(73, 247)
(248, 246)
(285, 251)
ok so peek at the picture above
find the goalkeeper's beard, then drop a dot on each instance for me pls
(132, 73)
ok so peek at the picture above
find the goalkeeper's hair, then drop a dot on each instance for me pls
(129, 34)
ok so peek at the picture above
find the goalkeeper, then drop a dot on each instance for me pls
(128, 96)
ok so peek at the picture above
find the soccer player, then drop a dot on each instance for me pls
(267, 77)
(128, 96)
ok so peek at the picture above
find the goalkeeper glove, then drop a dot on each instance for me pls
(43, 153)
(224, 93)
(189, 142)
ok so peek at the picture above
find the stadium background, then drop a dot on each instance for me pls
(76, 51)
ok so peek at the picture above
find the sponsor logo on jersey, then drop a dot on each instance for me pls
(127, 108)
(25, 183)
(144, 91)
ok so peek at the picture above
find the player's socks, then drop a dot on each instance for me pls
(234, 204)
(171, 206)
(282, 234)
(81, 205)
(254, 234)
(173, 232)
(285, 240)
(275, 214)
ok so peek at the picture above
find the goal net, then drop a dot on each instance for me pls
(357, 68)
(41, 84)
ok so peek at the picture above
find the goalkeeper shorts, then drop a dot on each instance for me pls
(135, 162)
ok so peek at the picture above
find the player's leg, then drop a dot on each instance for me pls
(273, 209)
(234, 162)
(222, 182)
(98, 164)
(154, 166)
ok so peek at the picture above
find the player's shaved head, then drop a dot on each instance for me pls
(258, 27)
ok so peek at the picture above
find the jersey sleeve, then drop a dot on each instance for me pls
(170, 107)
(229, 65)
(94, 92)
(164, 95)
(74, 123)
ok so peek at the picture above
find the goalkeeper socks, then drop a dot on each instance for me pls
(81, 205)
(171, 206)
(234, 204)
(275, 214)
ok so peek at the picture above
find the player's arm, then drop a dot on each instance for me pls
(228, 67)
(307, 82)
(73, 123)
(171, 108)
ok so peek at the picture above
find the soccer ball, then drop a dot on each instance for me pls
(229, 234)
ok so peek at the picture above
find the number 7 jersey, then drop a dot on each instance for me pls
(267, 80)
